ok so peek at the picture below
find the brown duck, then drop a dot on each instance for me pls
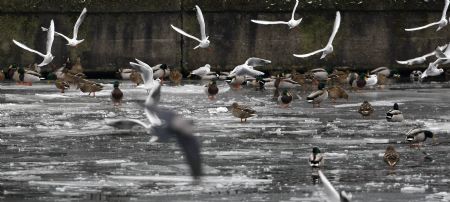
(116, 94)
(2, 75)
(175, 76)
(242, 112)
(336, 92)
(87, 86)
(285, 99)
(211, 90)
(391, 157)
(62, 85)
(136, 77)
(365, 109)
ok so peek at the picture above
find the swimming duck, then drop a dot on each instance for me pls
(87, 86)
(136, 78)
(336, 92)
(242, 112)
(175, 76)
(62, 85)
(316, 158)
(211, 90)
(394, 115)
(391, 157)
(24, 77)
(318, 96)
(285, 98)
(116, 94)
(365, 109)
(417, 136)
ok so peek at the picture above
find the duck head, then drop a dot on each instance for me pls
(116, 84)
(396, 106)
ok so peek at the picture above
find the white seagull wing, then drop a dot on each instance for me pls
(331, 192)
(295, 9)
(57, 33)
(201, 21)
(78, 23)
(146, 72)
(263, 22)
(28, 49)
(444, 12)
(405, 62)
(185, 34)
(309, 54)
(256, 62)
(151, 103)
(245, 71)
(423, 27)
(337, 24)
(50, 37)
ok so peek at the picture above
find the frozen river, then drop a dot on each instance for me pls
(55, 147)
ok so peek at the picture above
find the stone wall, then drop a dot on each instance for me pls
(116, 31)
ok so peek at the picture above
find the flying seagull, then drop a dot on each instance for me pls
(433, 69)
(165, 124)
(73, 41)
(147, 74)
(329, 47)
(246, 69)
(204, 42)
(331, 192)
(441, 23)
(48, 57)
(291, 23)
(421, 59)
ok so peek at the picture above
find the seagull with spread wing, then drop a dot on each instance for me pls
(329, 47)
(204, 42)
(291, 23)
(331, 192)
(441, 23)
(73, 41)
(146, 73)
(165, 124)
(48, 57)
(246, 69)
(421, 59)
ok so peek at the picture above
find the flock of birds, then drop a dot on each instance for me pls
(165, 123)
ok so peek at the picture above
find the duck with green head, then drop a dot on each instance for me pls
(285, 98)
(394, 115)
(318, 96)
(211, 90)
(360, 82)
(26, 77)
(116, 94)
(316, 158)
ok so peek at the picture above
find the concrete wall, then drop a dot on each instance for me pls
(116, 31)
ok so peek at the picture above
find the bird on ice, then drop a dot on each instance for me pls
(329, 47)
(48, 57)
(246, 69)
(72, 41)
(292, 23)
(204, 42)
(147, 74)
(441, 23)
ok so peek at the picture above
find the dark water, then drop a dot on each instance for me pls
(55, 147)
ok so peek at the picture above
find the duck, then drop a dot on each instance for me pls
(175, 77)
(77, 68)
(371, 80)
(336, 92)
(391, 157)
(340, 76)
(285, 83)
(211, 90)
(242, 112)
(416, 76)
(285, 98)
(236, 82)
(381, 70)
(303, 80)
(351, 78)
(87, 86)
(259, 83)
(394, 115)
(318, 96)
(320, 74)
(116, 94)
(160, 71)
(2, 75)
(124, 73)
(62, 85)
(366, 109)
(417, 136)
(360, 82)
(136, 77)
(316, 158)
(26, 77)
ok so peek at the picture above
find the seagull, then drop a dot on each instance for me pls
(204, 42)
(329, 47)
(432, 69)
(441, 23)
(147, 74)
(246, 69)
(73, 41)
(202, 71)
(165, 124)
(48, 57)
(421, 59)
(291, 23)
(331, 192)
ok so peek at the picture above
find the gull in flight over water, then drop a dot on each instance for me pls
(73, 41)
(246, 69)
(204, 42)
(433, 69)
(329, 47)
(441, 23)
(421, 59)
(291, 23)
(331, 192)
(147, 74)
(48, 57)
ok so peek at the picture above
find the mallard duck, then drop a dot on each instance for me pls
(87, 86)
(73, 79)
(318, 96)
(316, 158)
(242, 112)
(336, 92)
(236, 82)
(320, 74)
(365, 109)
(77, 68)
(124, 73)
(136, 78)
(417, 136)
(416, 76)
(211, 90)
(351, 78)
(285, 83)
(285, 98)
(2, 75)
(62, 85)
(341, 76)
(259, 83)
(24, 77)
(160, 71)
(116, 94)
(360, 82)
(394, 115)
(175, 76)
(391, 157)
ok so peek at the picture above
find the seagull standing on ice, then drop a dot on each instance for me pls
(441, 23)
(246, 69)
(291, 23)
(204, 42)
(73, 41)
(147, 74)
(202, 71)
(421, 59)
(48, 57)
(329, 47)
